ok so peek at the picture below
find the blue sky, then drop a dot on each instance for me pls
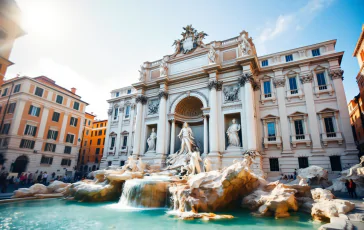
(97, 46)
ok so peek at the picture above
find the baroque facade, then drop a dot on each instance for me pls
(288, 107)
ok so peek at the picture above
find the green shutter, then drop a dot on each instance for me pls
(55, 135)
(26, 129)
(30, 109)
(21, 143)
(50, 160)
(37, 112)
(34, 131)
(76, 120)
(54, 148)
(32, 145)
(69, 162)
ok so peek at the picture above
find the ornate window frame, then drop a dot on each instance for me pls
(330, 137)
(278, 138)
(305, 137)
(298, 93)
(263, 97)
(327, 89)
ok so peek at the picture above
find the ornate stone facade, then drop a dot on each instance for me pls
(277, 114)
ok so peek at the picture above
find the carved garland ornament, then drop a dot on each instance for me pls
(141, 99)
(306, 78)
(215, 84)
(336, 74)
(279, 82)
(163, 93)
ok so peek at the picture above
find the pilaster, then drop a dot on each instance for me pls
(141, 100)
(18, 113)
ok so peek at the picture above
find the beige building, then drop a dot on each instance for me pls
(289, 107)
(40, 125)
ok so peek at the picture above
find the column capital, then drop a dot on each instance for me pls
(163, 94)
(280, 82)
(141, 99)
(215, 84)
(336, 74)
(306, 78)
(244, 78)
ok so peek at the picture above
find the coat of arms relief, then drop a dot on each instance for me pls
(191, 39)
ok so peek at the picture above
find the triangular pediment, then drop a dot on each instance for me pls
(297, 114)
(291, 73)
(319, 68)
(328, 110)
(124, 132)
(270, 116)
(113, 134)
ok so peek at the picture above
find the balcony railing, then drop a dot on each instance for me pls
(267, 97)
(301, 139)
(322, 89)
(332, 137)
(272, 140)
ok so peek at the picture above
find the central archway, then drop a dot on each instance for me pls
(189, 107)
(20, 164)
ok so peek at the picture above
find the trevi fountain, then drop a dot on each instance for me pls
(185, 194)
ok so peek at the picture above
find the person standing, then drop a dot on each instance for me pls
(295, 174)
(16, 182)
(45, 177)
(352, 187)
(40, 176)
(5, 182)
(30, 178)
(347, 187)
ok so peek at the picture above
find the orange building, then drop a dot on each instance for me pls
(41, 125)
(355, 107)
(10, 30)
(92, 144)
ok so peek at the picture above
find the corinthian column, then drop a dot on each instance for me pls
(161, 129)
(205, 136)
(140, 100)
(106, 146)
(214, 86)
(120, 124)
(173, 133)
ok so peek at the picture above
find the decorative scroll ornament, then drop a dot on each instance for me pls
(191, 39)
(279, 82)
(142, 73)
(244, 78)
(141, 99)
(153, 107)
(306, 78)
(231, 93)
(212, 55)
(336, 74)
(162, 93)
(109, 112)
(215, 84)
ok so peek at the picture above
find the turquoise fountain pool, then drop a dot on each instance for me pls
(60, 214)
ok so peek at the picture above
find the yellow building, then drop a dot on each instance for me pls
(10, 30)
(41, 125)
(92, 144)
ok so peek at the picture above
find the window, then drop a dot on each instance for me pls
(267, 89)
(329, 127)
(117, 94)
(50, 147)
(303, 162)
(96, 160)
(97, 151)
(105, 132)
(293, 85)
(67, 149)
(46, 160)
(129, 91)
(100, 133)
(112, 143)
(316, 52)
(26, 144)
(335, 163)
(271, 131)
(125, 141)
(97, 125)
(34, 111)
(52, 134)
(55, 116)
(76, 105)
(73, 121)
(90, 142)
(102, 125)
(321, 81)
(17, 88)
(274, 164)
(11, 107)
(103, 141)
(122, 163)
(289, 58)
(89, 122)
(5, 92)
(109, 163)
(30, 130)
(298, 125)
(85, 143)
(87, 132)
(99, 141)
(92, 133)
(70, 138)
(39, 92)
(127, 111)
(59, 99)
(4, 142)
(265, 63)
(116, 112)
(6, 128)
(66, 162)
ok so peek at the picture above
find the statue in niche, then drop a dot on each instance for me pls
(153, 107)
(212, 55)
(231, 94)
(142, 73)
(244, 46)
(163, 68)
(151, 141)
(186, 139)
(233, 134)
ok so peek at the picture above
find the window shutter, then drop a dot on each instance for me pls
(49, 134)
(34, 131)
(26, 129)
(67, 138)
(71, 120)
(76, 120)
(72, 137)
(50, 160)
(38, 112)
(55, 135)
(30, 109)
(69, 162)
(22, 143)
(54, 148)
(32, 145)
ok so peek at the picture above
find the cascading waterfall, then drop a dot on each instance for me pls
(149, 192)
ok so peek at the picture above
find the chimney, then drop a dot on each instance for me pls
(73, 90)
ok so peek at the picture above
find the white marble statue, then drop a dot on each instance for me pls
(163, 68)
(212, 55)
(142, 73)
(207, 164)
(233, 134)
(244, 47)
(151, 140)
(195, 160)
(186, 139)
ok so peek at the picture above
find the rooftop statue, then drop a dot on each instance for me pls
(191, 39)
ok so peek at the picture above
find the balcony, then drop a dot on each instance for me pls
(294, 93)
(332, 137)
(272, 140)
(323, 89)
(301, 139)
(268, 97)
(124, 150)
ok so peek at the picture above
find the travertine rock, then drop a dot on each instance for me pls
(28, 192)
(322, 194)
(57, 185)
(203, 215)
(315, 174)
(337, 223)
(323, 210)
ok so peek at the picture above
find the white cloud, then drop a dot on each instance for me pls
(281, 25)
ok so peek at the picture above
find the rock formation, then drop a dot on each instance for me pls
(37, 189)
